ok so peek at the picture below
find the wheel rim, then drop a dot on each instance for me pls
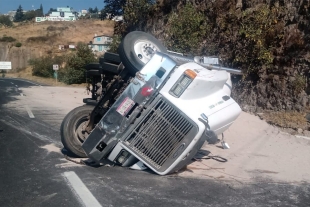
(144, 50)
(79, 129)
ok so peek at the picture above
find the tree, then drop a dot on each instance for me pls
(5, 20)
(29, 15)
(136, 12)
(113, 8)
(186, 30)
(95, 10)
(50, 11)
(90, 10)
(19, 16)
(41, 10)
(75, 65)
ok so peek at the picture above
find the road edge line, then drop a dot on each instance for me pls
(80, 189)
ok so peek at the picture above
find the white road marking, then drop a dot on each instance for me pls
(24, 81)
(12, 83)
(14, 124)
(302, 137)
(80, 189)
(29, 112)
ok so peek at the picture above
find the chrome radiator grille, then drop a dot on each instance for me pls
(160, 133)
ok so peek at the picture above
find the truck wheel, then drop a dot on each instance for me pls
(137, 48)
(112, 58)
(71, 130)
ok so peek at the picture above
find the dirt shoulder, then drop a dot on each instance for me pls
(258, 152)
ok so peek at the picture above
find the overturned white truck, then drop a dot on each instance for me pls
(155, 109)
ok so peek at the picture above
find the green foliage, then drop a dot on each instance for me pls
(53, 28)
(5, 20)
(39, 39)
(115, 43)
(93, 11)
(43, 66)
(18, 44)
(113, 7)
(30, 15)
(260, 30)
(19, 16)
(136, 12)
(75, 63)
(41, 14)
(186, 29)
(50, 11)
(71, 76)
(299, 83)
(7, 39)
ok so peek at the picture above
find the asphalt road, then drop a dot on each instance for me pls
(34, 172)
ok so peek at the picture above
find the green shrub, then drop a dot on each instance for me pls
(7, 39)
(5, 20)
(38, 39)
(260, 31)
(74, 73)
(53, 28)
(71, 76)
(186, 29)
(43, 66)
(299, 83)
(115, 43)
(18, 44)
(136, 12)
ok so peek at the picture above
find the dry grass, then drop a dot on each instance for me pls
(27, 74)
(287, 119)
(65, 32)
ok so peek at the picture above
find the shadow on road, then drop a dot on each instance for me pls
(10, 89)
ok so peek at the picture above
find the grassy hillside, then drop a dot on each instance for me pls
(48, 35)
(43, 39)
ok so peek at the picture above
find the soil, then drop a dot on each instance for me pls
(258, 151)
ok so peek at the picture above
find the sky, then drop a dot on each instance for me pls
(8, 5)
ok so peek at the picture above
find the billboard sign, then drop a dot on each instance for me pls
(4, 65)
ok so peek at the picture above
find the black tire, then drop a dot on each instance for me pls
(134, 60)
(68, 129)
(112, 58)
(110, 67)
(91, 66)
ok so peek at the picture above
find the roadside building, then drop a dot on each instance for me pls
(83, 12)
(62, 14)
(100, 43)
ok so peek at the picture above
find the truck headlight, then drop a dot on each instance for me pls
(182, 83)
(123, 156)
